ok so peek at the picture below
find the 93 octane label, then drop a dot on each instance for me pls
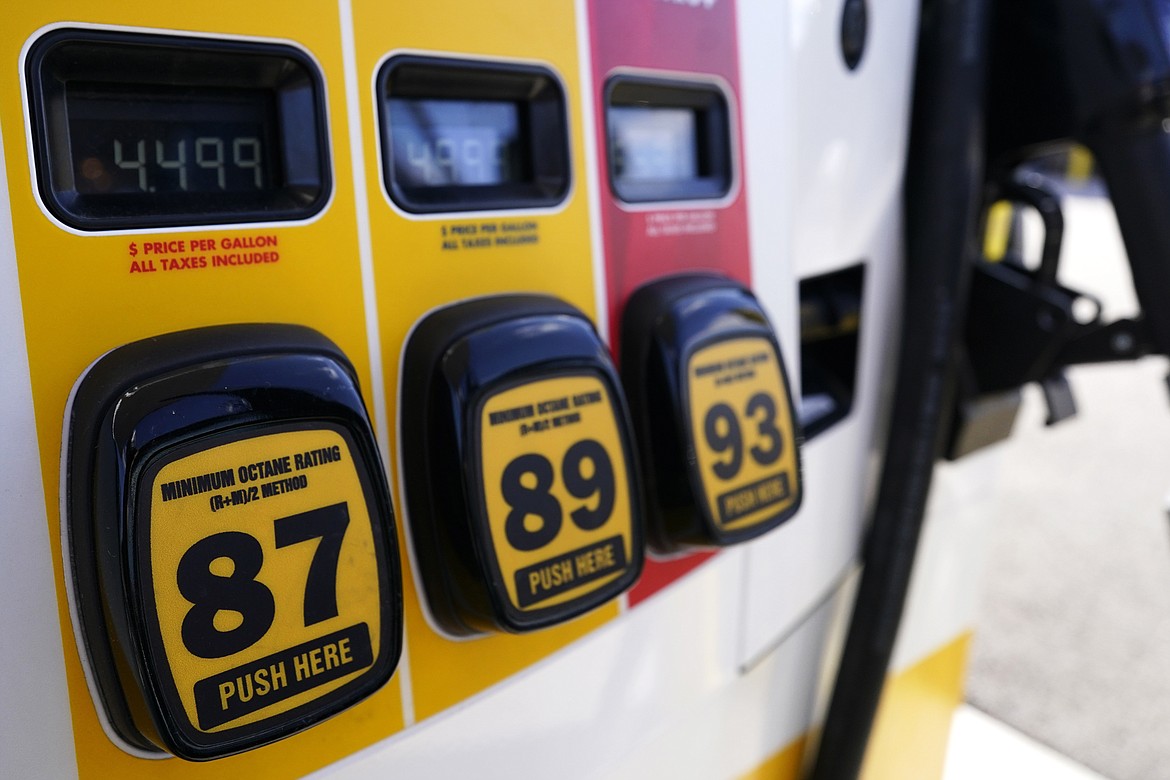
(264, 573)
(741, 427)
(555, 489)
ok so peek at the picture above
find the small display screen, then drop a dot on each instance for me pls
(170, 140)
(651, 144)
(135, 130)
(461, 135)
(667, 140)
(443, 143)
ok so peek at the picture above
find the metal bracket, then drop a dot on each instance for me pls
(1023, 326)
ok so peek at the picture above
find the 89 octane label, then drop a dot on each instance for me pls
(265, 576)
(556, 490)
(742, 432)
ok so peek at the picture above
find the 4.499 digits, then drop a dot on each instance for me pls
(206, 153)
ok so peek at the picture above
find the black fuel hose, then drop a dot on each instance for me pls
(944, 179)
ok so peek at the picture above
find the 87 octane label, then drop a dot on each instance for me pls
(264, 570)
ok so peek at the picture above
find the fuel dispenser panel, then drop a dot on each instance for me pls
(170, 260)
(493, 201)
(710, 396)
(667, 116)
(216, 480)
(523, 498)
(353, 168)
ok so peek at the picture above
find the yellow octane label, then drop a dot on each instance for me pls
(555, 489)
(741, 429)
(265, 575)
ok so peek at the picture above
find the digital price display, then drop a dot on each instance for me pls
(444, 143)
(136, 131)
(667, 140)
(168, 140)
(654, 144)
(230, 539)
(463, 135)
(710, 398)
(524, 506)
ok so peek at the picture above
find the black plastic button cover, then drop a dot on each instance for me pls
(664, 323)
(177, 391)
(456, 357)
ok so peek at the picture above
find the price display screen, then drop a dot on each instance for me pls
(654, 144)
(440, 143)
(463, 135)
(140, 131)
(168, 140)
(668, 140)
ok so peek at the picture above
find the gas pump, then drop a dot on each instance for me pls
(316, 313)
(400, 389)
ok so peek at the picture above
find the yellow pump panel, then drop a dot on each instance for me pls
(424, 262)
(311, 276)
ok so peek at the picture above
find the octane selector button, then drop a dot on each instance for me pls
(231, 539)
(522, 496)
(710, 398)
